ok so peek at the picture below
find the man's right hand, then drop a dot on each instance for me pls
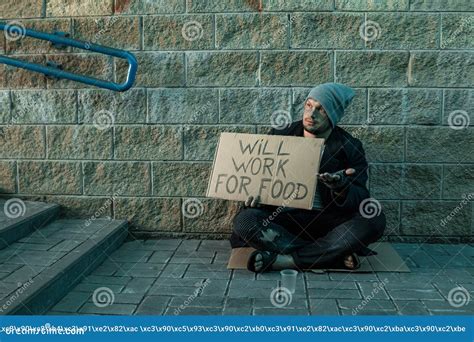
(252, 202)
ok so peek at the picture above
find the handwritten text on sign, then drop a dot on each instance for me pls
(280, 169)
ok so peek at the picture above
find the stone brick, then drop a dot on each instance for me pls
(297, 5)
(441, 69)
(82, 206)
(7, 177)
(402, 31)
(251, 31)
(200, 142)
(441, 144)
(323, 306)
(208, 215)
(3, 75)
(150, 214)
(183, 106)
(114, 309)
(458, 100)
(180, 179)
(178, 32)
(155, 69)
(364, 5)
(148, 143)
(458, 31)
(117, 32)
(5, 112)
(333, 293)
(442, 5)
(126, 107)
(119, 178)
(381, 144)
(222, 68)
(23, 79)
(79, 142)
(219, 6)
(356, 113)
(326, 30)
(405, 106)
(458, 180)
(251, 106)
(33, 45)
(149, 7)
(292, 68)
(22, 142)
(365, 307)
(407, 181)
(41, 106)
(72, 302)
(66, 8)
(391, 209)
(432, 218)
(415, 294)
(50, 177)
(97, 66)
(21, 8)
(360, 68)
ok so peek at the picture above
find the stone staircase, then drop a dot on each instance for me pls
(42, 257)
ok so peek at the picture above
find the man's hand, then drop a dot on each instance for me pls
(252, 202)
(337, 180)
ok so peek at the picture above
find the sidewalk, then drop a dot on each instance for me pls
(189, 277)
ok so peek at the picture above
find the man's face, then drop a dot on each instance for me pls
(314, 116)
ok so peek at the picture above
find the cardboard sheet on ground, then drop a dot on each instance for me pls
(280, 169)
(386, 260)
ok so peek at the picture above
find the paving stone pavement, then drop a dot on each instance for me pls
(189, 277)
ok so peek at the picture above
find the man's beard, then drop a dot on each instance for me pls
(320, 126)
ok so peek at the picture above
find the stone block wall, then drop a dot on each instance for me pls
(209, 66)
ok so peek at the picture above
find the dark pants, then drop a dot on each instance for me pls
(314, 238)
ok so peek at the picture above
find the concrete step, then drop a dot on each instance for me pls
(19, 218)
(37, 271)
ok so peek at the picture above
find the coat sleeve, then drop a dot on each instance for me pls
(356, 191)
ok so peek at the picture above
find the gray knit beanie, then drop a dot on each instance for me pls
(334, 97)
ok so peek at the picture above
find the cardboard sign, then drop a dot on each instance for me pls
(280, 169)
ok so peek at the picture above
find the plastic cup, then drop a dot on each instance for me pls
(288, 279)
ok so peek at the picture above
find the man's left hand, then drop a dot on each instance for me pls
(337, 180)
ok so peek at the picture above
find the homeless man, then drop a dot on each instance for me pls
(336, 230)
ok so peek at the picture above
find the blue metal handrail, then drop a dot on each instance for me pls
(64, 41)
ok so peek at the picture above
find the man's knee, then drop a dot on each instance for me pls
(246, 222)
(377, 225)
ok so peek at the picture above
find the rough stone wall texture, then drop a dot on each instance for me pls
(208, 66)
